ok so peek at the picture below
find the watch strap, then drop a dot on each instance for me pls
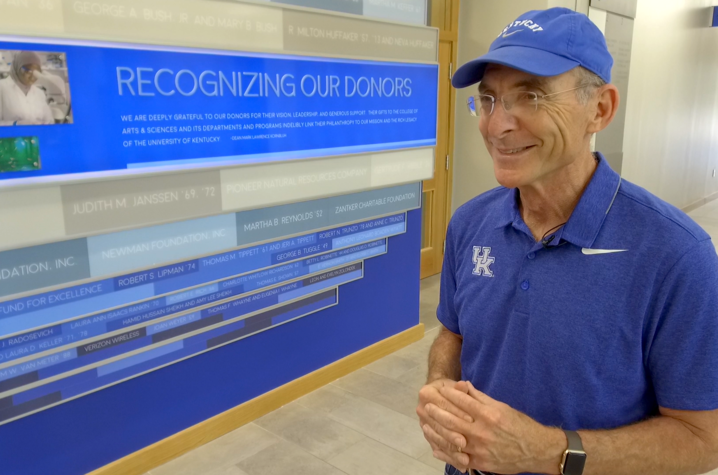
(574, 440)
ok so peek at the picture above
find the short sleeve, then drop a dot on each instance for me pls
(446, 313)
(682, 351)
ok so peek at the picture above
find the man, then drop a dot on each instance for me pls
(580, 312)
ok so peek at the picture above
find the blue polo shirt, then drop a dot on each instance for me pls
(580, 340)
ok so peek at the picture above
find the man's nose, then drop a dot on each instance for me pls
(500, 122)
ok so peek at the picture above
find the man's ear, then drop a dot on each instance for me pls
(605, 109)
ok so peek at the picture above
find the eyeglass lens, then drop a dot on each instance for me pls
(523, 101)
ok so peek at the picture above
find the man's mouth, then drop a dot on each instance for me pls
(511, 151)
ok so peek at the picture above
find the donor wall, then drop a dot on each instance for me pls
(200, 201)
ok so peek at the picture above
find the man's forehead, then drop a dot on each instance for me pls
(498, 73)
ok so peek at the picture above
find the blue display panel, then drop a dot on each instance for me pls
(82, 325)
(127, 276)
(49, 368)
(32, 268)
(161, 403)
(41, 310)
(81, 383)
(153, 107)
(60, 344)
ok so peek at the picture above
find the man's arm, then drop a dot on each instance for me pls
(444, 357)
(504, 440)
(676, 442)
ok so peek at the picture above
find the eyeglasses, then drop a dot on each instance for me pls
(523, 101)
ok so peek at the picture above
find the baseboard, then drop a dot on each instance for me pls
(699, 203)
(172, 447)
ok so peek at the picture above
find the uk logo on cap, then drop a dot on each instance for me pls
(543, 43)
(513, 27)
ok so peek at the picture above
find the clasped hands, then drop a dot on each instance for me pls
(468, 429)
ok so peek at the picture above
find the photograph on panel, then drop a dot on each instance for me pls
(19, 154)
(34, 88)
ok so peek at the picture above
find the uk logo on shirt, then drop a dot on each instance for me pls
(482, 261)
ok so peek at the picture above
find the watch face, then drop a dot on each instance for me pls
(575, 462)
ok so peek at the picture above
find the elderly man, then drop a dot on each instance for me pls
(579, 312)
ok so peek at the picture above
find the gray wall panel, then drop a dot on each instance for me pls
(619, 38)
(345, 36)
(119, 204)
(43, 266)
(621, 7)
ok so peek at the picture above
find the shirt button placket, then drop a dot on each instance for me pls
(525, 283)
(523, 297)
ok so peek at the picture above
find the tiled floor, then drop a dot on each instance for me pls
(362, 424)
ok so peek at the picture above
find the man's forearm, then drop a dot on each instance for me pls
(445, 357)
(658, 446)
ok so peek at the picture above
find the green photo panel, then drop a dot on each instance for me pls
(19, 154)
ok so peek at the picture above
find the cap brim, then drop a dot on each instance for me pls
(529, 60)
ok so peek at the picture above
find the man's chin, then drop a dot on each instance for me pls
(510, 178)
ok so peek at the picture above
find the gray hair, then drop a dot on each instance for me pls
(589, 82)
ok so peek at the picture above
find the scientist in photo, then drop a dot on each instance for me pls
(21, 101)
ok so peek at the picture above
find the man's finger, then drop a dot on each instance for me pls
(433, 396)
(446, 405)
(463, 386)
(432, 444)
(436, 441)
(438, 454)
(445, 458)
(446, 440)
(430, 440)
(467, 388)
(447, 425)
(464, 402)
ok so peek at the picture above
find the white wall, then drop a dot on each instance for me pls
(671, 139)
(480, 21)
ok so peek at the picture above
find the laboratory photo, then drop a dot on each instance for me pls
(34, 88)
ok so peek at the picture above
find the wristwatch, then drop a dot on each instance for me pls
(574, 458)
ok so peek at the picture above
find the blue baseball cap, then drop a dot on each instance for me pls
(543, 43)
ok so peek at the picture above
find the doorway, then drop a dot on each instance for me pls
(436, 199)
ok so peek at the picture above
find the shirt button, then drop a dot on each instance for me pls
(525, 285)
(531, 255)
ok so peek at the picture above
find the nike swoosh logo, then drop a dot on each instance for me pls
(595, 252)
(512, 33)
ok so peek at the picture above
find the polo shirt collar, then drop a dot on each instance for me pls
(587, 218)
(508, 211)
